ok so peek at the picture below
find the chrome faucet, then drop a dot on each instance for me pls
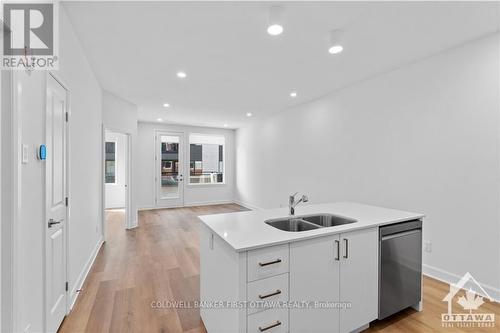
(292, 203)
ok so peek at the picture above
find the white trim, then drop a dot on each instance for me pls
(67, 226)
(451, 278)
(9, 147)
(83, 274)
(247, 205)
(130, 222)
(182, 160)
(188, 158)
(208, 203)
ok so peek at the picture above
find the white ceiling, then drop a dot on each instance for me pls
(234, 66)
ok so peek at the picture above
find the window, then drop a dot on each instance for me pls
(206, 164)
(109, 165)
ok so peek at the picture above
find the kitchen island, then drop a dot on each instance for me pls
(257, 278)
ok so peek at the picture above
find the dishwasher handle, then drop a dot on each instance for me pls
(401, 234)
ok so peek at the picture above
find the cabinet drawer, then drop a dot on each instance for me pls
(273, 289)
(269, 321)
(266, 262)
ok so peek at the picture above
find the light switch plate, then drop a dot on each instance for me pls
(25, 154)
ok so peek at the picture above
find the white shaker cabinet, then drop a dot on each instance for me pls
(338, 268)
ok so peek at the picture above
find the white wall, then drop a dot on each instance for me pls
(193, 194)
(115, 193)
(121, 115)
(422, 138)
(84, 182)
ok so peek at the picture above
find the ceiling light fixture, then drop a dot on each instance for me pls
(166, 105)
(275, 24)
(293, 94)
(159, 119)
(334, 43)
(225, 125)
(249, 114)
(181, 75)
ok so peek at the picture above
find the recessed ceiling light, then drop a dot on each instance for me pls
(181, 75)
(275, 30)
(225, 125)
(275, 24)
(335, 49)
(335, 42)
(166, 105)
(159, 119)
(249, 114)
(293, 94)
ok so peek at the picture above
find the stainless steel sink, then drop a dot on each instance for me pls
(327, 220)
(309, 222)
(292, 224)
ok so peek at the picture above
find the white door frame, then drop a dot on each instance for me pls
(68, 206)
(157, 172)
(10, 152)
(128, 210)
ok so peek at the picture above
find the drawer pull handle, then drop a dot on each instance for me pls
(277, 323)
(277, 292)
(262, 264)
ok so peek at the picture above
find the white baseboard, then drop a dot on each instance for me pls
(83, 274)
(147, 208)
(133, 226)
(449, 278)
(208, 203)
(247, 205)
(191, 204)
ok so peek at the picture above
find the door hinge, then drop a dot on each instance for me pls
(67, 201)
(67, 116)
(67, 286)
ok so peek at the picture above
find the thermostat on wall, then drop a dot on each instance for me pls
(42, 153)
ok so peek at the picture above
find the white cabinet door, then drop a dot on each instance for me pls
(359, 278)
(314, 276)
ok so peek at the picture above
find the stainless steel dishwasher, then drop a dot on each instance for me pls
(400, 267)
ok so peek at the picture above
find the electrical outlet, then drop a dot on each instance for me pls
(428, 246)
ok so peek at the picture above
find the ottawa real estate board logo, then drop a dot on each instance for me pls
(468, 294)
(29, 36)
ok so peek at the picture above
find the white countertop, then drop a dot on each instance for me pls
(246, 230)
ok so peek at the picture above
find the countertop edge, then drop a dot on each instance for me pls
(307, 237)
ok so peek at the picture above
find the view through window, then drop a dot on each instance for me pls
(206, 165)
(169, 166)
(110, 165)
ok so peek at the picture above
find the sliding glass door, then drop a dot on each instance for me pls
(169, 169)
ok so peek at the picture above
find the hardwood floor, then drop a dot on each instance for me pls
(159, 262)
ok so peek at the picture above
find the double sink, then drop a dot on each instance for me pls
(308, 222)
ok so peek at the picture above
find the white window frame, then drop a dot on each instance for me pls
(116, 150)
(188, 162)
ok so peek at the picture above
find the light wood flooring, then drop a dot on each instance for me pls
(159, 261)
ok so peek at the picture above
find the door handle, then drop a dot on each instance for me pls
(337, 244)
(52, 222)
(346, 248)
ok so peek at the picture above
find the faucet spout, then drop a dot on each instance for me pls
(292, 203)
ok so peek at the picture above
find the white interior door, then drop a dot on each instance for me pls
(55, 191)
(169, 166)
